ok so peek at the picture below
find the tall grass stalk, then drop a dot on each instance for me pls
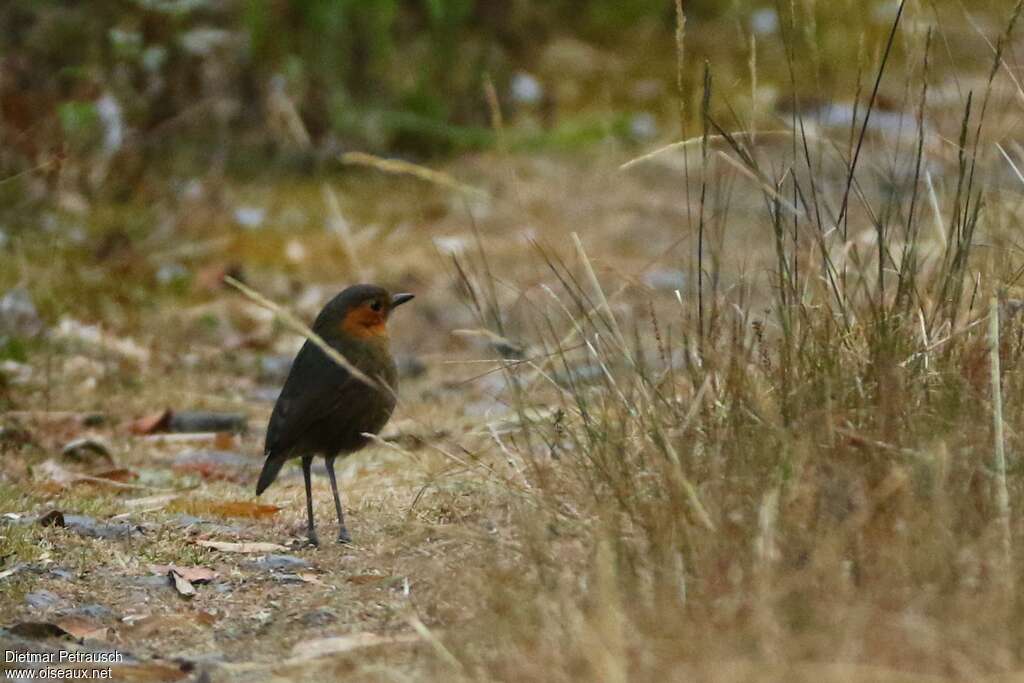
(1002, 492)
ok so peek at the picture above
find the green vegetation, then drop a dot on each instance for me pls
(395, 75)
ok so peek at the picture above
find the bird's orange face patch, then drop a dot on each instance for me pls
(362, 322)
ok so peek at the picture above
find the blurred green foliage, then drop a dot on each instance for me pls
(79, 122)
(386, 70)
(388, 75)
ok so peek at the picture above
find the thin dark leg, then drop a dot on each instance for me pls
(343, 536)
(307, 461)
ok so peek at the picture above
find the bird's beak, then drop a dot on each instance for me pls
(399, 299)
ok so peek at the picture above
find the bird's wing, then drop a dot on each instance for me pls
(313, 388)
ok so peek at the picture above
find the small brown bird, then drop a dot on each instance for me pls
(323, 408)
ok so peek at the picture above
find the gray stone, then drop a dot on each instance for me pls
(89, 527)
(18, 314)
(149, 581)
(42, 600)
(189, 421)
(98, 612)
(277, 562)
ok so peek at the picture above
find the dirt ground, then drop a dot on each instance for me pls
(419, 505)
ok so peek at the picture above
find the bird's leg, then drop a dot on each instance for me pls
(343, 536)
(307, 462)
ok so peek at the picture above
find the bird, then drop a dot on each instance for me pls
(323, 408)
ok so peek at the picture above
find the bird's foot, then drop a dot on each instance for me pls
(343, 536)
(312, 539)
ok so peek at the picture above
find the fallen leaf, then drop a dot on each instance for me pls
(152, 423)
(181, 584)
(244, 509)
(120, 474)
(230, 508)
(205, 618)
(81, 628)
(225, 441)
(248, 548)
(321, 647)
(190, 574)
(37, 630)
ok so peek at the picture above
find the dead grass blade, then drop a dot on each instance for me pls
(400, 167)
(301, 328)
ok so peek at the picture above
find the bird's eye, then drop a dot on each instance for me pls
(376, 305)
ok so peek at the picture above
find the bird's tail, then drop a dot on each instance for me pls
(270, 469)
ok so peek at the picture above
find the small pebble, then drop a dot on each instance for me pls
(526, 89)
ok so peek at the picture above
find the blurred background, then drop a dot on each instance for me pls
(167, 142)
(186, 83)
(152, 146)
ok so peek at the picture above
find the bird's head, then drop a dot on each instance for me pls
(359, 313)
